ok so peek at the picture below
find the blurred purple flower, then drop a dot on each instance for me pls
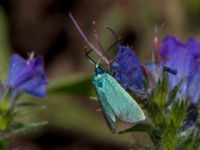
(127, 70)
(27, 75)
(185, 58)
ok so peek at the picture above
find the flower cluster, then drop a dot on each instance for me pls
(27, 75)
(185, 58)
(24, 76)
(173, 94)
(180, 60)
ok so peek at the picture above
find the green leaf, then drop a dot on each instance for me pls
(26, 104)
(173, 92)
(174, 120)
(189, 140)
(75, 84)
(156, 115)
(6, 118)
(177, 112)
(139, 127)
(28, 111)
(19, 128)
(160, 92)
(23, 128)
(169, 138)
(184, 141)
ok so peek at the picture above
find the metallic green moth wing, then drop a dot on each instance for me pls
(106, 110)
(122, 104)
(114, 100)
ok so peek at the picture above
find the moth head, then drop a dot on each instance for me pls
(99, 69)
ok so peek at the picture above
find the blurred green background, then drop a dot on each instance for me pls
(45, 28)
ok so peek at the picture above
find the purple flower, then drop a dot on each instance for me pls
(27, 75)
(185, 58)
(126, 69)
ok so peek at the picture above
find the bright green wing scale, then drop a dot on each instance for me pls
(114, 100)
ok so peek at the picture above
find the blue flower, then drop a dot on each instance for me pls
(185, 58)
(127, 70)
(27, 75)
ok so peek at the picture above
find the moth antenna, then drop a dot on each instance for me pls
(98, 41)
(88, 57)
(87, 41)
(114, 44)
(117, 38)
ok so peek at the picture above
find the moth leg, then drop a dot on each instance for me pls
(93, 98)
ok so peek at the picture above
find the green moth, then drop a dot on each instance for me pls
(114, 101)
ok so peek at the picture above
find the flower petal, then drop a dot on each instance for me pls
(126, 68)
(27, 75)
